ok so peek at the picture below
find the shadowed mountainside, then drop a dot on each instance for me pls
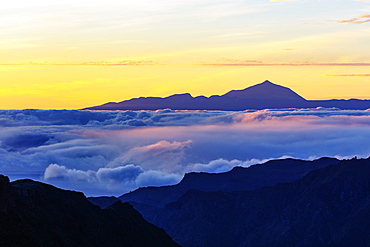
(239, 178)
(37, 214)
(329, 206)
(261, 96)
(154, 203)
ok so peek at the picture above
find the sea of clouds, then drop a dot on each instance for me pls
(113, 152)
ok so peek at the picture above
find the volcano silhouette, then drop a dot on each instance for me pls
(265, 95)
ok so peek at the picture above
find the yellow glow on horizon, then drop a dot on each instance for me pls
(76, 87)
(204, 47)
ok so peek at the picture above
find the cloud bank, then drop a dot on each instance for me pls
(113, 152)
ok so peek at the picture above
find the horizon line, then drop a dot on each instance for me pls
(200, 64)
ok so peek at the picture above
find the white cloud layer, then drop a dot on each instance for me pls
(112, 152)
(111, 180)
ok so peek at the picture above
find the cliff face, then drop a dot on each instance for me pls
(37, 214)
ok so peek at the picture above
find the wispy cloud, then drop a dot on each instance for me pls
(123, 62)
(260, 63)
(306, 22)
(224, 60)
(345, 75)
(357, 20)
(92, 63)
(163, 154)
(220, 62)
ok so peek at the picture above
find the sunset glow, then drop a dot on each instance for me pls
(75, 54)
(185, 123)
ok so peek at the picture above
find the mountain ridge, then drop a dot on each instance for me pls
(239, 178)
(260, 96)
(329, 206)
(37, 214)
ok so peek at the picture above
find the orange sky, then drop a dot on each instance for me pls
(73, 54)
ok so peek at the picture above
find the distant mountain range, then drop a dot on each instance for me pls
(325, 202)
(36, 214)
(261, 96)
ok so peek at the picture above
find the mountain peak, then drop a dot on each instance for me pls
(266, 91)
(268, 82)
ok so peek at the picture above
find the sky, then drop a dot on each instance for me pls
(114, 152)
(75, 54)
(81, 53)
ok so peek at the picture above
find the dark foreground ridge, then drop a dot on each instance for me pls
(37, 214)
(261, 96)
(327, 206)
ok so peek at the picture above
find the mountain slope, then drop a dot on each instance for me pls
(260, 96)
(257, 176)
(265, 90)
(37, 214)
(327, 207)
